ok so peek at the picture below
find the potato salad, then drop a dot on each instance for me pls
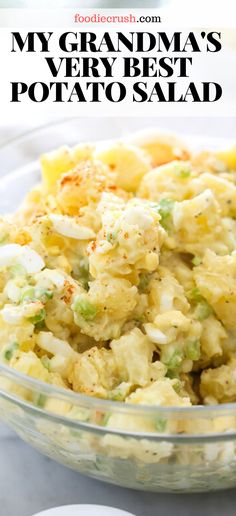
(118, 273)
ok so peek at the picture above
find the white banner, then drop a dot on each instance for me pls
(116, 62)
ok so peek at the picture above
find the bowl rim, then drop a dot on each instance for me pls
(158, 436)
(86, 401)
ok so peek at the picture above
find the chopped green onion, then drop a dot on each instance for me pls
(28, 294)
(184, 173)
(81, 273)
(46, 362)
(84, 308)
(9, 351)
(177, 386)
(192, 349)
(182, 170)
(144, 279)
(105, 419)
(31, 294)
(43, 294)
(171, 374)
(196, 261)
(165, 208)
(195, 294)
(140, 319)
(41, 400)
(38, 317)
(116, 395)
(84, 274)
(160, 424)
(203, 311)
(40, 325)
(172, 360)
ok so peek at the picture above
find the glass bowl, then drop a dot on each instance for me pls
(141, 447)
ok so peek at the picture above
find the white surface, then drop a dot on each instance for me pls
(83, 510)
(30, 483)
(222, 127)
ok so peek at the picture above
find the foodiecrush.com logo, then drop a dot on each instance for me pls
(112, 18)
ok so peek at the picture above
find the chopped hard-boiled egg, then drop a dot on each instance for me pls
(69, 227)
(30, 260)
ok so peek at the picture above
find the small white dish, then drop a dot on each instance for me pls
(83, 510)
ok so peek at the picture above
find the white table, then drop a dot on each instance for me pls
(30, 483)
